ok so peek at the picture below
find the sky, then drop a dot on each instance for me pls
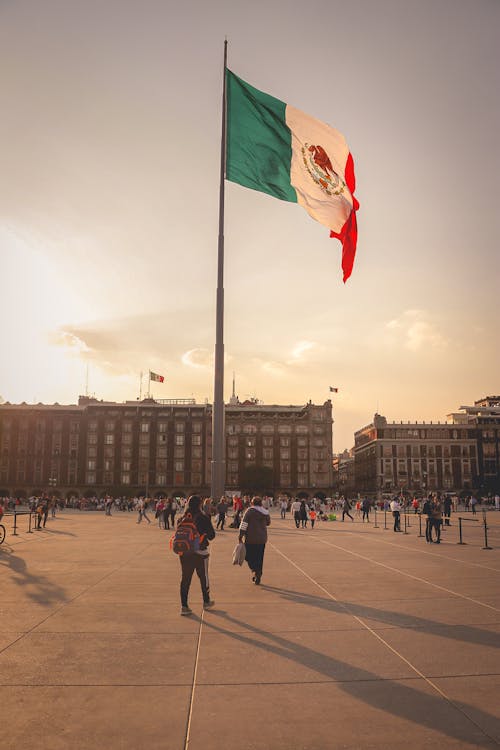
(109, 162)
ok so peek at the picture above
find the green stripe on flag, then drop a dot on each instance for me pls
(259, 143)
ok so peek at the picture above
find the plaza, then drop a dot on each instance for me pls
(356, 638)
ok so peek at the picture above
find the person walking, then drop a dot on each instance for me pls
(253, 529)
(141, 508)
(312, 517)
(365, 507)
(221, 510)
(396, 513)
(303, 514)
(346, 507)
(447, 510)
(196, 561)
(283, 506)
(436, 519)
(473, 503)
(173, 510)
(295, 509)
(166, 513)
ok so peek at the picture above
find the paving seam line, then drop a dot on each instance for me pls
(70, 601)
(187, 738)
(410, 575)
(394, 651)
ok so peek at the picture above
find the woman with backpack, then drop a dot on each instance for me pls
(196, 529)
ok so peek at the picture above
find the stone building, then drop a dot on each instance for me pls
(153, 446)
(484, 415)
(415, 456)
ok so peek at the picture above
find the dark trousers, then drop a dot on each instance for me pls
(397, 520)
(255, 557)
(296, 517)
(283, 512)
(428, 530)
(220, 522)
(166, 516)
(366, 514)
(190, 563)
(346, 513)
(436, 525)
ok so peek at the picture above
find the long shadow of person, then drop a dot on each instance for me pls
(423, 707)
(38, 588)
(464, 633)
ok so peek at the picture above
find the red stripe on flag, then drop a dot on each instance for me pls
(348, 235)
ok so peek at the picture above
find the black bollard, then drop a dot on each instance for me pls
(405, 524)
(29, 524)
(460, 530)
(14, 533)
(485, 532)
(420, 524)
(385, 519)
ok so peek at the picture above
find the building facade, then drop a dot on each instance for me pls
(165, 446)
(415, 457)
(484, 416)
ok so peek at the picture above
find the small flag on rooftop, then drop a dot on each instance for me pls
(156, 378)
(333, 390)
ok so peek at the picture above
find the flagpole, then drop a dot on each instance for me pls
(218, 457)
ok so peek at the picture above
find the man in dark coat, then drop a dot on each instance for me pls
(253, 529)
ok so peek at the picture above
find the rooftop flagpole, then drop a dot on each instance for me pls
(218, 436)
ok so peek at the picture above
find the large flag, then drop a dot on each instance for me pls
(156, 378)
(277, 149)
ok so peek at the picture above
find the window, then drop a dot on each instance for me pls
(91, 464)
(196, 452)
(267, 453)
(232, 441)
(284, 453)
(126, 465)
(161, 464)
(232, 467)
(267, 428)
(196, 427)
(92, 451)
(249, 429)
(90, 478)
(302, 442)
(179, 451)
(232, 453)
(319, 430)
(127, 439)
(250, 442)
(109, 426)
(267, 442)
(302, 429)
(109, 451)
(319, 443)
(233, 429)
(108, 465)
(196, 439)
(92, 439)
(161, 451)
(195, 465)
(285, 467)
(179, 439)
(162, 439)
(144, 438)
(161, 479)
(179, 465)
(302, 480)
(162, 427)
(92, 426)
(179, 426)
(109, 439)
(126, 451)
(144, 452)
(144, 426)
(125, 478)
(250, 454)
(285, 442)
(284, 429)
(196, 478)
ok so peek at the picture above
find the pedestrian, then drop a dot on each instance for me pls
(415, 505)
(196, 561)
(283, 506)
(346, 507)
(45, 510)
(173, 510)
(473, 503)
(160, 505)
(312, 516)
(303, 514)
(427, 512)
(221, 510)
(447, 510)
(295, 509)
(253, 529)
(396, 514)
(141, 508)
(437, 519)
(365, 507)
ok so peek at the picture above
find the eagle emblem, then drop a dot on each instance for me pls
(318, 164)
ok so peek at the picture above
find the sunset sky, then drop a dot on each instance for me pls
(110, 149)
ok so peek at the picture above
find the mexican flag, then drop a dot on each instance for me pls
(156, 378)
(277, 149)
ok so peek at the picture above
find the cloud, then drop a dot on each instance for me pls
(416, 331)
(300, 350)
(198, 358)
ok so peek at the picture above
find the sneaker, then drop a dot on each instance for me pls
(186, 611)
(257, 579)
(209, 604)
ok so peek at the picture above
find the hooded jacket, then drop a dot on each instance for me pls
(254, 525)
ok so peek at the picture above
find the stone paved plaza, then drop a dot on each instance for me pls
(357, 638)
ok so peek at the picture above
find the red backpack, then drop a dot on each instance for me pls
(187, 539)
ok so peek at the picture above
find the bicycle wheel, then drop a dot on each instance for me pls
(2, 533)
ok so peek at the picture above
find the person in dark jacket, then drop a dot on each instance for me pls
(253, 529)
(197, 560)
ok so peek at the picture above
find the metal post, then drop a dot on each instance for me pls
(485, 532)
(420, 524)
(218, 432)
(375, 525)
(460, 530)
(385, 519)
(29, 525)
(405, 523)
(14, 533)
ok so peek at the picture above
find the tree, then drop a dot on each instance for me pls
(257, 479)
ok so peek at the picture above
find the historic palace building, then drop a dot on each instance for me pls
(460, 454)
(154, 446)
